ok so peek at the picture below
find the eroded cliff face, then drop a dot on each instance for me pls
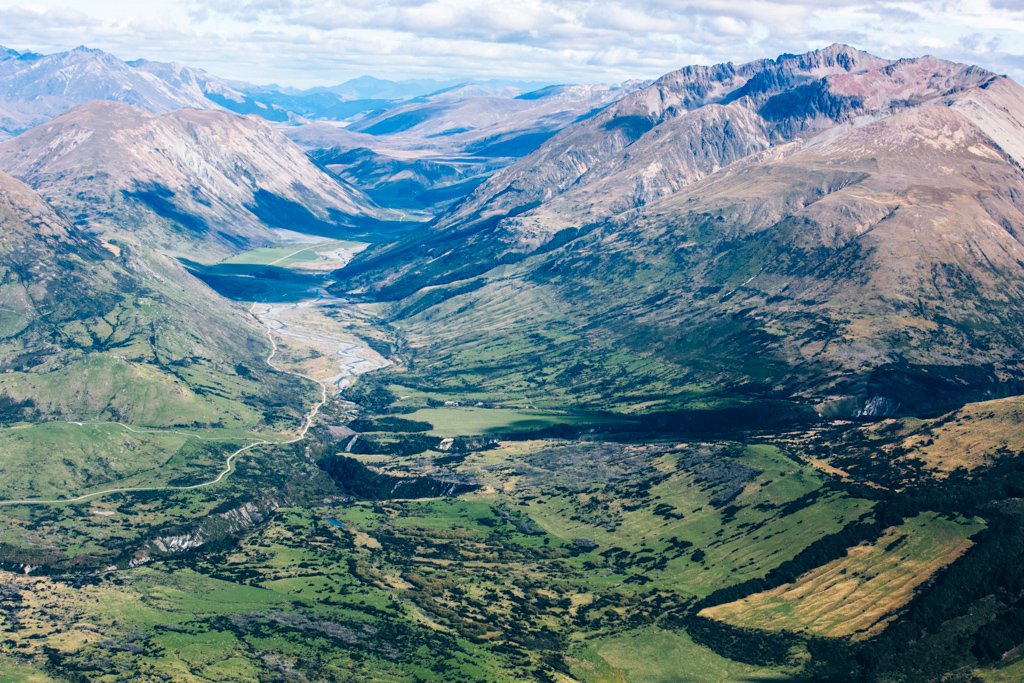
(213, 529)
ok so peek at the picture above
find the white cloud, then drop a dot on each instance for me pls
(307, 42)
(729, 26)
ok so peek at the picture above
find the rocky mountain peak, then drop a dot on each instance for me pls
(837, 55)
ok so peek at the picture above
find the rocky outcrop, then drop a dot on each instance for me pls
(170, 545)
(213, 529)
(356, 479)
(878, 407)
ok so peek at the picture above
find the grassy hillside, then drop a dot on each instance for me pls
(101, 333)
(133, 338)
(596, 559)
(496, 585)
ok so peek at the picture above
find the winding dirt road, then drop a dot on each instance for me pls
(229, 462)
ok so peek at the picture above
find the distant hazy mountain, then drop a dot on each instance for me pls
(816, 226)
(186, 181)
(368, 87)
(498, 125)
(433, 150)
(210, 91)
(35, 88)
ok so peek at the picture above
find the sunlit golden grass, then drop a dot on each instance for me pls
(971, 437)
(858, 594)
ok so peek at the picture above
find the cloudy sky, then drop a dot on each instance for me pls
(320, 42)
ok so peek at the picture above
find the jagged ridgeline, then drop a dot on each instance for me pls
(831, 228)
(98, 332)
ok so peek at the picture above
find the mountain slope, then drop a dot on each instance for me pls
(686, 125)
(188, 180)
(86, 334)
(209, 92)
(828, 228)
(43, 258)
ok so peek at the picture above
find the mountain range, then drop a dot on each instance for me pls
(712, 376)
(831, 228)
(421, 143)
(426, 153)
(35, 88)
